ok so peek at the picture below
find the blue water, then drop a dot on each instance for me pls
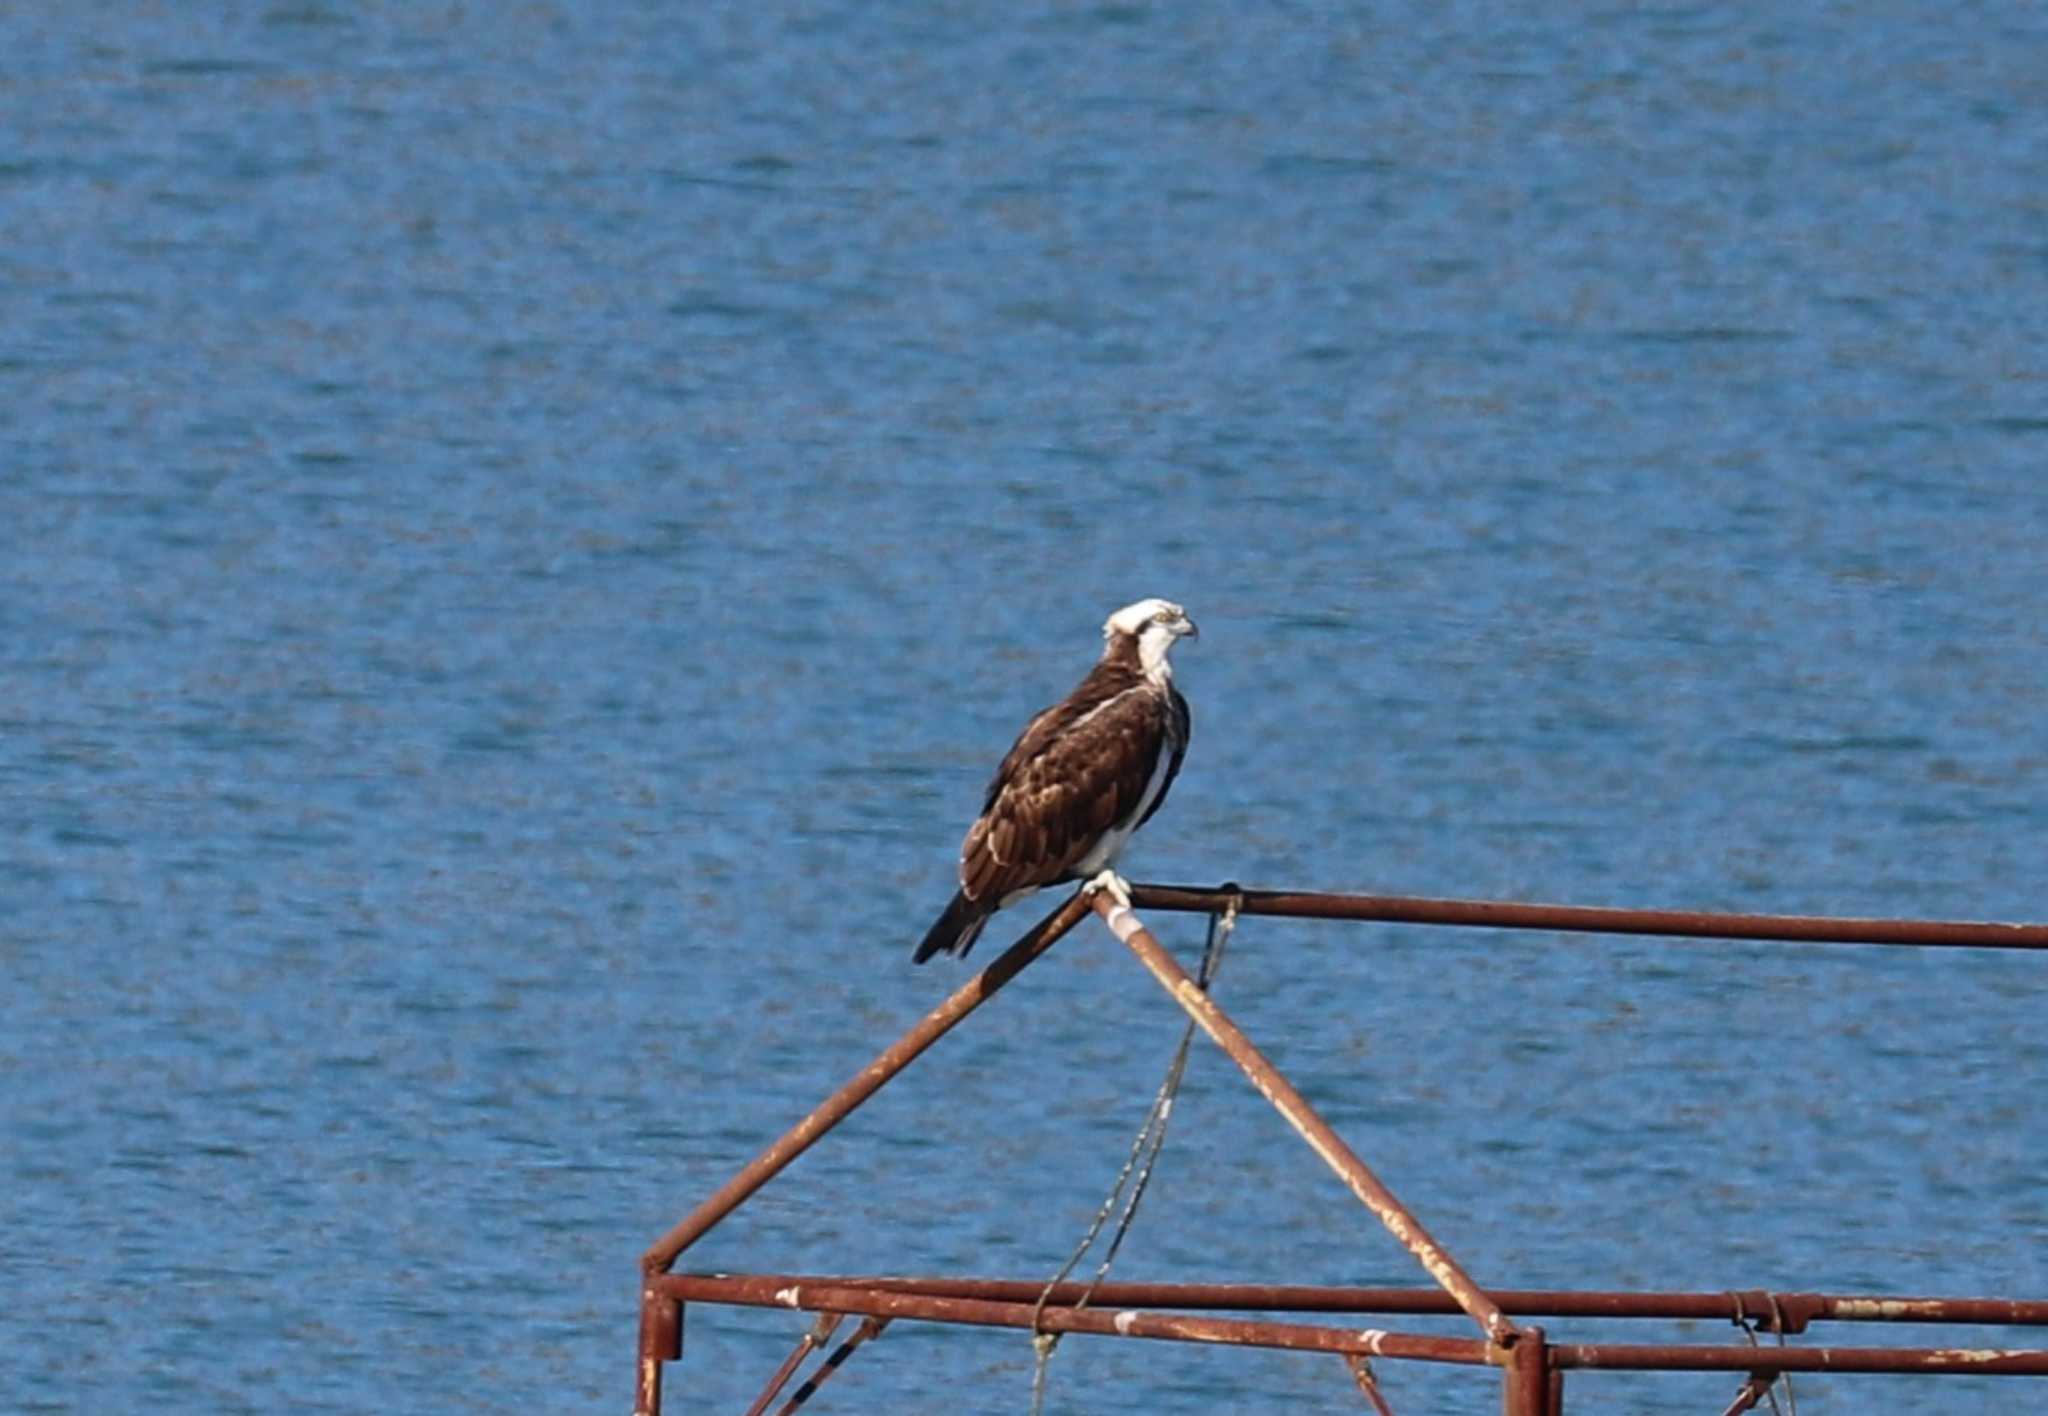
(526, 528)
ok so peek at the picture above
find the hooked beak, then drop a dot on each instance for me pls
(1185, 627)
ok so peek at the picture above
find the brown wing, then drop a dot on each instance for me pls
(1078, 770)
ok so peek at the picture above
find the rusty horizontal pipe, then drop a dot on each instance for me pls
(765, 1292)
(2014, 1312)
(1649, 1357)
(1756, 1305)
(836, 1107)
(1514, 914)
(776, 1291)
(1357, 1176)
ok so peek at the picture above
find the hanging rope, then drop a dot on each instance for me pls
(1144, 1156)
(1784, 1378)
(1764, 1387)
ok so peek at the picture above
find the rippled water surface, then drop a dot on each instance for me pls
(526, 528)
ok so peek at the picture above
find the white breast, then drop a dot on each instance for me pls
(1112, 843)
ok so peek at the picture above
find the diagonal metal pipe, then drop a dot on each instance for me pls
(661, 1319)
(814, 1338)
(1274, 1086)
(869, 1080)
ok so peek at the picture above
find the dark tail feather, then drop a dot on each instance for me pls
(955, 932)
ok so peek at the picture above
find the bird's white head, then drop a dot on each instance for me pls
(1155, 624)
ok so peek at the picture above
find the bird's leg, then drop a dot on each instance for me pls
(1119, 888)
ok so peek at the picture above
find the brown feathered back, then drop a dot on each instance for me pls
(1083, 775)
(1079, 770)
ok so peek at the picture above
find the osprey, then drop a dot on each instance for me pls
(1083, 775)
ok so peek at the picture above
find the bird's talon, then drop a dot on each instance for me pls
(1114, 885)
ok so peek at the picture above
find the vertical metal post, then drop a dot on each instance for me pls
(661, 1340)
(1525, 1380)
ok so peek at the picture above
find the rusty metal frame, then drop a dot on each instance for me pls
(1532, 1366)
